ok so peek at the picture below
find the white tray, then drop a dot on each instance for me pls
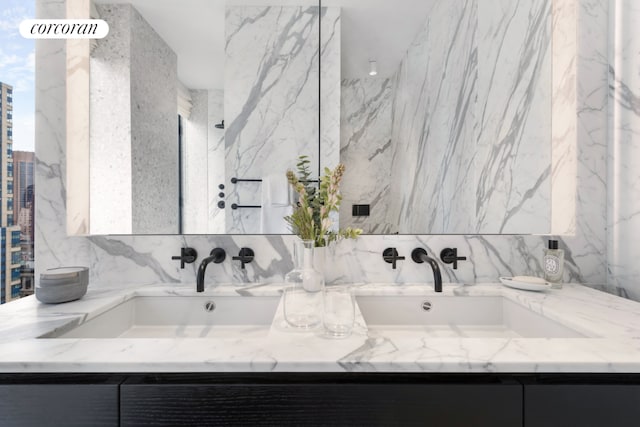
(526, 283)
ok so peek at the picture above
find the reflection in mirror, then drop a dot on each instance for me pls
(452, 134)
(440, 109)
(204, 91)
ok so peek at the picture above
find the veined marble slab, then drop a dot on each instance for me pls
(613, 322)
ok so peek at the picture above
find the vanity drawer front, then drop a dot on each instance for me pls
(584, 405)
(322, 404)
(64, 405)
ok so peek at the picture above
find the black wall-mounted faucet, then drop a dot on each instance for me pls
(187, 256)
(217, 256)
(420, 256)
(390, 256)
(450, 256)
(245, 256)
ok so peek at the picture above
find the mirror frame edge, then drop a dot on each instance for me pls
(77, 125)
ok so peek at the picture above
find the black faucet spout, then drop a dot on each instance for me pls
(217, 256)
(420, 256)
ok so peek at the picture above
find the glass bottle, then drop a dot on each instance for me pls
(303, 289)
(553, 263)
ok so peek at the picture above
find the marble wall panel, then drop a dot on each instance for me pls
(588, 247)
(624, 149)
(433, 125)
(514, 116)
(470, 137)
(366, 149)
(271, 100)
(216, 154)
(564, 158)
(330, 83)
(53, 248)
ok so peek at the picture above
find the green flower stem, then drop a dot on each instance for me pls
(311, 216)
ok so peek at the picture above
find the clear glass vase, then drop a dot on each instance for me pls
(303, 289)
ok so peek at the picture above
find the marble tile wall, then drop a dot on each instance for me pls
(53, 247)
(331, 87)
(564, 159)
(216, 154)
(433, 148)
(271, 100)
(471, 122)
(624, 149)
(146, 259)
(588, 246)
(366, 149)
(514, 117)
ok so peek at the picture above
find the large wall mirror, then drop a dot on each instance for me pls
(440, 110)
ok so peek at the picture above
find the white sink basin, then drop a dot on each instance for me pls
(182, 317)
(457, 316)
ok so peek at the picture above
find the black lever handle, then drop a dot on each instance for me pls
(390, 256)
(187, 256)
(450, 256)
(245, 256)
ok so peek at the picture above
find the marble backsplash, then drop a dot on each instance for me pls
(147, 259)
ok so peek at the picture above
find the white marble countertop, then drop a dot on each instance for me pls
(612, 325)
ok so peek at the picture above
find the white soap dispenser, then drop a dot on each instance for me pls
(553, 263)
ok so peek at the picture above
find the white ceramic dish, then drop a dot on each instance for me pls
(526, 283)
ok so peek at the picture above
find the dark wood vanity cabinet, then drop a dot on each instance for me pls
(318, 399)
(582, 400)
(321, 400)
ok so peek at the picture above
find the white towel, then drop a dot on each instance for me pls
(277, 189)
(275, 204)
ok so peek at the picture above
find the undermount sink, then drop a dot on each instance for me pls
(456, 316)
(436, 316)
(182, 317)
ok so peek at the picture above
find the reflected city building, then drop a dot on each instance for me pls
(16, 209)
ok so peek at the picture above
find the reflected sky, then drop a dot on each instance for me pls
(17, 68)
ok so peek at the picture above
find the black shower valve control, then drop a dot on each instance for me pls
(450, 256)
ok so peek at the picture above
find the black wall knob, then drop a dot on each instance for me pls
(390, 256)
(245, 256)
(187, 256)
(450, 256)
(221, 204)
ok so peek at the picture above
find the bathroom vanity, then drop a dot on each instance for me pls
(479, 355)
